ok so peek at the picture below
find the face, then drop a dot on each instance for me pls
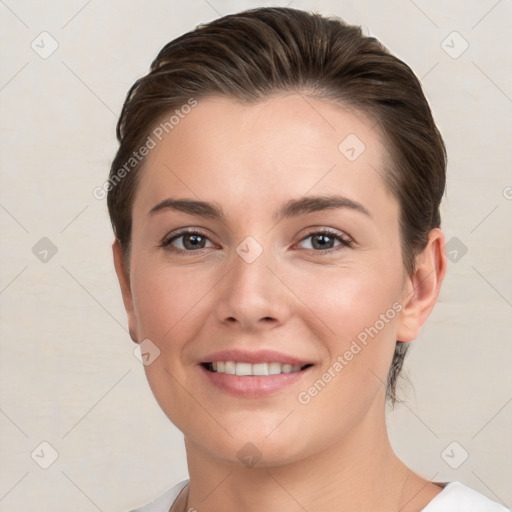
(267, 277)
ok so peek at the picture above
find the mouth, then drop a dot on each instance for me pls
(253, 369)
(253, 374)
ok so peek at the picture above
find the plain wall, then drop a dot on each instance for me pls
(68, 373)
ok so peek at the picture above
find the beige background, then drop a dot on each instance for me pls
(68, 373)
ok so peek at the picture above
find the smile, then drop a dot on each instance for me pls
(253, 373)
(256, 369)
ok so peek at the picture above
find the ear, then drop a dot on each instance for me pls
(124, 283)
(422, 288)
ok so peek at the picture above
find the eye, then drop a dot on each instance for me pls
(324, 240)
(191, 240)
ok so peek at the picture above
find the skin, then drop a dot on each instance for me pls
(332, 453)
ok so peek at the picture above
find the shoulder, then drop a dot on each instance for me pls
(454, 496)
(164, 502)
(457, 496)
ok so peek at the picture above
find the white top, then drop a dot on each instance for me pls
(455, 497)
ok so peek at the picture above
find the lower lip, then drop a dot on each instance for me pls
(253, 386)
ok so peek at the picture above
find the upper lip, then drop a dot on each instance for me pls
(256, 356)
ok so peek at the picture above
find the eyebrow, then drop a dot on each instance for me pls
(292, 208)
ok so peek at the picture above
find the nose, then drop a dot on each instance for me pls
(252, 295)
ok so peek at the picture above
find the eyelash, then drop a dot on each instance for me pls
(344, 241)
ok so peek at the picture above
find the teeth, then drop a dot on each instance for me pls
(243, 368)
(274, 368)
(230, 367)
(238, 368)
(287, 368)
(260, 369)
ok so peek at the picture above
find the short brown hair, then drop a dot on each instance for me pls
(253, 54)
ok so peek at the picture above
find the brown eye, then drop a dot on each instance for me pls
(325, 240)
(187, 241)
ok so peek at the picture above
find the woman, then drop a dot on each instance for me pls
(275, 200)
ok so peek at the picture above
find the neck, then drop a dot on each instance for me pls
(359, 472)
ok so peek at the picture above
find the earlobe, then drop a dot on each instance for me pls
(423, 287)
(124, 283)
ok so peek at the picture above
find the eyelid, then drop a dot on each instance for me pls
(345, 240)
(166, 241)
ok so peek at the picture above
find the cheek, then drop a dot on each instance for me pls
(359, 310)
(165, 300)
(167, 303)
(351, 299)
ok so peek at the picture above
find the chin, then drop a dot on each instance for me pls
(256, 441)
(262, 452)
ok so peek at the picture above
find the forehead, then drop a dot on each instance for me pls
(240, 154)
